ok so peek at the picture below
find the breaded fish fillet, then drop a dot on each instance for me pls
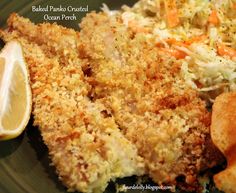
(145, 92)
(86, 147)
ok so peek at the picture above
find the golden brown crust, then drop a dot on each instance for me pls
(223, 133)
(223, 121)
(154, 107)
(87, 149)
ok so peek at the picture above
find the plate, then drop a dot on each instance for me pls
(24, 163)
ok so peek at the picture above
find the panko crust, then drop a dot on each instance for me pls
(145, 92)
(87, 148)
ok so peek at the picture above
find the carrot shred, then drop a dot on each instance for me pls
(172, 13)
(187, 42)
(226, 51)
(213, 18)
(178, 54)
(196, 39)
(234, 5)
(174, 52)
(173, 41)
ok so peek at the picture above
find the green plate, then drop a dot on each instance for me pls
(24, 163)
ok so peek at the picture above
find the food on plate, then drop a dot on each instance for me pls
(86, 147)
(15, 91)
(223, 133)
(126, 95)
(145, 92)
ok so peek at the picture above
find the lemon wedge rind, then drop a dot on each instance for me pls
(15, 91)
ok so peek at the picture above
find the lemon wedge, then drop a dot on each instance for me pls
(15, 91)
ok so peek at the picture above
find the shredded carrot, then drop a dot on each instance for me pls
(226, 51)
(172, 13)
(174, 52)
(173, 41)
(178, 54)
(234, 5)
(196, 39)
(213, 18)
(187, 42)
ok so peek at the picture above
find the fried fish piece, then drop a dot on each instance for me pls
(86, 147)
(223, 133)
(153, 105)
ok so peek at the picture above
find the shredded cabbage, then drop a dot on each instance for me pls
(204, 68)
